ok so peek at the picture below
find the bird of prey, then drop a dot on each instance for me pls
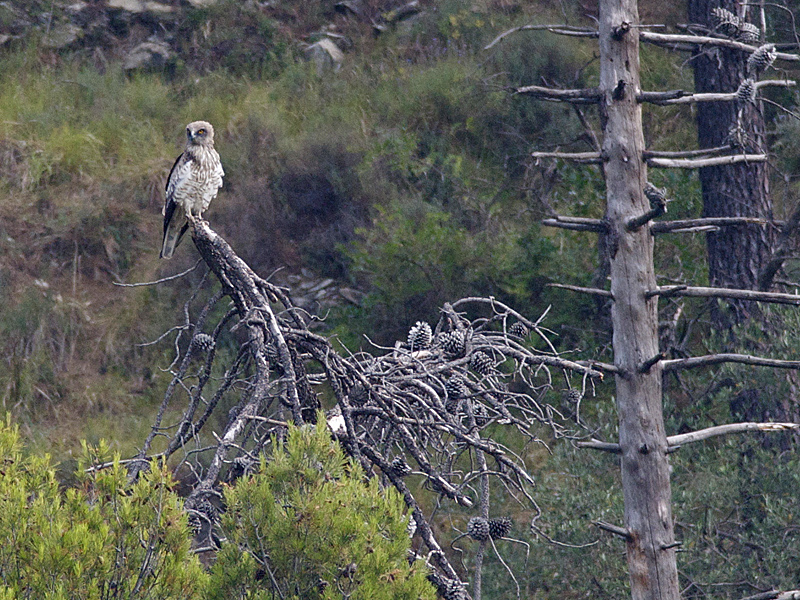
(192, 184)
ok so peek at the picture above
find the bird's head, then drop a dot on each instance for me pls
(200, 132)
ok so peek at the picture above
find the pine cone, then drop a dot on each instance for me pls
(400, 467)
(478, 529)
(761, 59)
(519, 329)
(725, 22)
(746, 91)
(203, 342)
(358, 394)
(420, 336)
(202, 516)
(749, 33)
(571, 396)
(347, 571)
(656, 196)
(451, 406)
(480, 413)
(456, 388)
(737, 136)
(482, 363)
(453, 590)
(453, 343)
(321, 585)
(499, 528)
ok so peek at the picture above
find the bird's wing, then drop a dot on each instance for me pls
(175, 224)
(171, 171)
(178, 174)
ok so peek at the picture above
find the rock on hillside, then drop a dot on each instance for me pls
(202, 34)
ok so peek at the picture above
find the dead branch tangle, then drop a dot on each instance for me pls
(430, 403)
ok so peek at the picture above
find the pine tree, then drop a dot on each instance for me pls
(310, 519)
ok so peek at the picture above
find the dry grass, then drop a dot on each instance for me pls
(83, 157)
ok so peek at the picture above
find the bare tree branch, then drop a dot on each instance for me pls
(162, 280)
(711, 292)
(691, 42)
(576, 224)
(675, 441)
(584, 96)
(616, 530)
(677, 364)
(571, 226)
(681, 97)
(636, 222)
(658, 227)
(424, 402)
(598, 445)
(704, 434)
(561, 29)
(686, 153)
(672, 226)
(579, 157)
(698, 163)
(582, 290)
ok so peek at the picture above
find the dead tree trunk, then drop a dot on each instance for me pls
(643, 441)
(628, 227)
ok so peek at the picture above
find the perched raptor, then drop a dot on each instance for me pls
(192, 184)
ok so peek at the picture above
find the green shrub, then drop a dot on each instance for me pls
(100, 540)
(308, 526)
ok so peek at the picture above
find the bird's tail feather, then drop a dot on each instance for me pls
(173, 232)
(170, 241)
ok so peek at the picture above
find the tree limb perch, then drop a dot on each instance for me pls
(699, 163)
(704, 434)
(677, 364)
(579, 157)
(711, 292)
(681, 97)
(577, 96)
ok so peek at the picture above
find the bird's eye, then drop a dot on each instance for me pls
(201, 132)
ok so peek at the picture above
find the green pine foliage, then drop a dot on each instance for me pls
(307, 525)
(100, 540)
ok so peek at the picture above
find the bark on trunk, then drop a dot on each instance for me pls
(736, 255)
(643, 442)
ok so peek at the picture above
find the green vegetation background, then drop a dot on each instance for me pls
(308, 517)
(420, 153)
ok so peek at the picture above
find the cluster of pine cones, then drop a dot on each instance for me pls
(453, 343)
(761, 59)
(453, 346)
(480, 529)
(729, 25)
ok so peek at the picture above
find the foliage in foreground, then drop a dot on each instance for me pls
(307, 518)
(100, 540)
(308, 526)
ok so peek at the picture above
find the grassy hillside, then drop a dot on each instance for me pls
(401, 143)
